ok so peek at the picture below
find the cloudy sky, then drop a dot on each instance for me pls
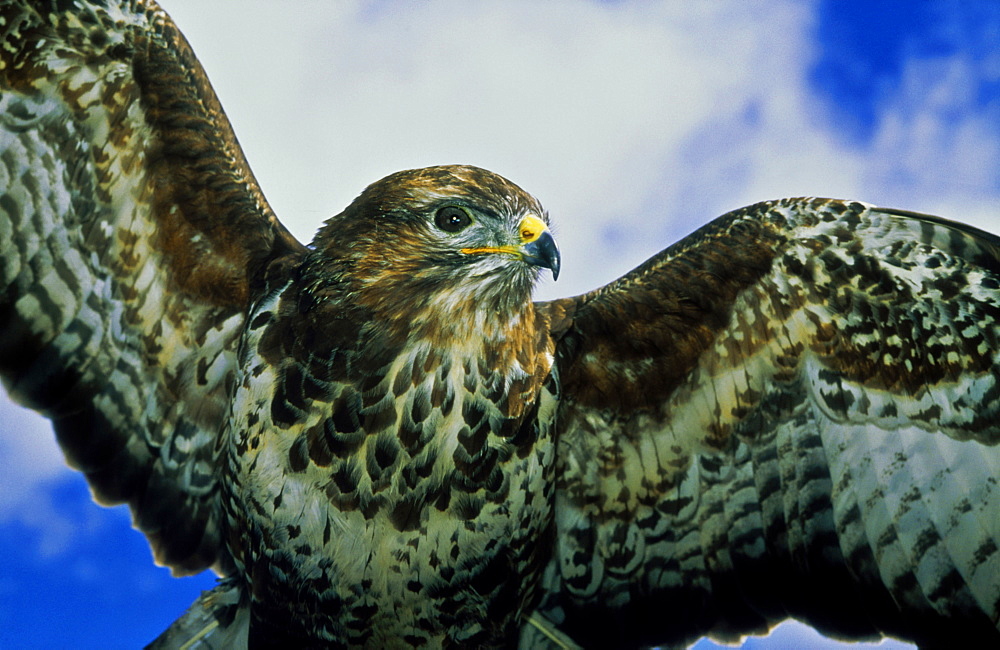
(633, 122)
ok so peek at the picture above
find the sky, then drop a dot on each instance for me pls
(633, 122)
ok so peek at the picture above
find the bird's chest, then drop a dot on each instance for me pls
(411, 506)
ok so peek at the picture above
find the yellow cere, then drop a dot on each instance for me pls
(531, 228)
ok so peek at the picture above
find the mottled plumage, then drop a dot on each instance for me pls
(380, 440)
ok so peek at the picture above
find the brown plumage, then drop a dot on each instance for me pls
(393, 390)
(380, 440)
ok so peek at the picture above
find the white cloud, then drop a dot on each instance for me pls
(936, 148)
(33, 467)
(589, 106)
(21, 430)
(645, 118)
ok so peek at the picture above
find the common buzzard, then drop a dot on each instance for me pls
(380, 440)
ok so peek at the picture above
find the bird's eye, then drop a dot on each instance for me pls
(452, 219)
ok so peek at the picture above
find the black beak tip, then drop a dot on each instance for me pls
(543, 252)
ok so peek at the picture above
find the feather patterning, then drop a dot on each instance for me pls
(380, 440)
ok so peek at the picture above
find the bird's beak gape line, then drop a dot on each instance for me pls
(537, 246)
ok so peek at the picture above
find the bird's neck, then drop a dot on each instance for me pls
(491, 332)
(502, 356)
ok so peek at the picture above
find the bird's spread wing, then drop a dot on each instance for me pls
(132, 236)
(792, 412)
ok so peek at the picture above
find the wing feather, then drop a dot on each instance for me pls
(133, 238)
(792, 412)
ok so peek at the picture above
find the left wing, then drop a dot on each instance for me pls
(133, 238)
(793, 412)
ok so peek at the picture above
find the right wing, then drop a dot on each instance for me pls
(133, 238)
(793, 412)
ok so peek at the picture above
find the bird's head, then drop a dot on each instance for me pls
(450, 237)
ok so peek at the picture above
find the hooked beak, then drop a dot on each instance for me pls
(538, 247)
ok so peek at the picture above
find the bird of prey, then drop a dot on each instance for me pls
(380, 440)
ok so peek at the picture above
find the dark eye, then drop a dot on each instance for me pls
(452, 219)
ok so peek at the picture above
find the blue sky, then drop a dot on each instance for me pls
(633, 122)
